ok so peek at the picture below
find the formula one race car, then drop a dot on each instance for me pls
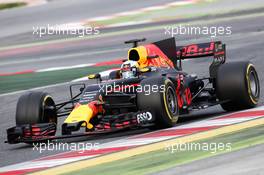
(149, 90)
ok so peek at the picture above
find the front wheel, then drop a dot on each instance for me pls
(35, 108)
(163, 102)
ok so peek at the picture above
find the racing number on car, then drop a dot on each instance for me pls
(144, 117)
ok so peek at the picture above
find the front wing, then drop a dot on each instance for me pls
(30, 133)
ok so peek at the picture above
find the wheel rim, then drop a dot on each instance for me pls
(253, 84)
(171, 100)
(49, 111)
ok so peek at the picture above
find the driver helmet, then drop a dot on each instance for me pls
(129, 69)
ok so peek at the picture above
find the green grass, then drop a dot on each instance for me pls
(164, 159)
(11, 5)
(27, 81)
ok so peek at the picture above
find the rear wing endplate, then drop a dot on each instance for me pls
(215, 49)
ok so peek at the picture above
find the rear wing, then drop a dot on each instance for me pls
(176, 54)
(215, 49)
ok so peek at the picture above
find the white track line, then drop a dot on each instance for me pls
(43, 163)
(65, 67)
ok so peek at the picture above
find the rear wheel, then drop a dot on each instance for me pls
(34, 108)
(237, 83)
(162, 103)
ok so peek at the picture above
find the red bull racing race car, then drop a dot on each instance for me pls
(149, 90)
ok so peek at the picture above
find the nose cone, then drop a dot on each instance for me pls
(81, 113)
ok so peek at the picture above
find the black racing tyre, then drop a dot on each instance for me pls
(35, 107)
(238, 84)
(162, 103)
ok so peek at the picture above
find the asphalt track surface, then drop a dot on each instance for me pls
(245, 43)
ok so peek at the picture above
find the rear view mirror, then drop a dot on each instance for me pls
(146, 69)
(94, 76)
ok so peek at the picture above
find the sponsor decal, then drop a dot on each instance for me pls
(144, 117)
